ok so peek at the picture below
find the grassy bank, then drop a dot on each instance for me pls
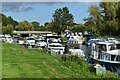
(20, 62)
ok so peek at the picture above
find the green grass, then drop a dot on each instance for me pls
(20, 62)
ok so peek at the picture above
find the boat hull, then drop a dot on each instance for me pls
(108, 65)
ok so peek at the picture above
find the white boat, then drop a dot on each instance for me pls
(106, 54)
(77, 51)
(75, 40)
(21, 41)
(8, 38)
(30, 42)
(40, 43)
(91, 41)
(112, 39)
(2, 38)
(118, 45)
(56, 48)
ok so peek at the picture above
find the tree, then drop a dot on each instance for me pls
(90, 26)
(118, 12)
(36, 25)
(78, 28)
(105, 18)
(46, 23)
(10, 21)
(109, 13)
(7, 29)
(4, 19)
(24, 26)
(94, 22)
(62, 19)
(51, 26)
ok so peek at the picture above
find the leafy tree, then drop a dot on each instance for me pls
(36, 25)
(7, 29)
(118, 12)
(90, 26)
(46, 23)
(4, 19)
(24, 26)
(7, 20)
(78, 28)
(109, 11)
(10, 21)
(62, 19)
(51, 26)
(42, 28)
(94, 21)
(105, 18)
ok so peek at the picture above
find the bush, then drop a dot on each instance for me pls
(110, 75)
(81, 68)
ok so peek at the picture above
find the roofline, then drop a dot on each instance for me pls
(104, 43)
(31, 32)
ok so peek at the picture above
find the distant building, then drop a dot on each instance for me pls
(30, 33)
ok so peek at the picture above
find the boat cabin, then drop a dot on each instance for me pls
(106, 51)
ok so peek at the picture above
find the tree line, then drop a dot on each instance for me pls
(103, 19)
(9, 25)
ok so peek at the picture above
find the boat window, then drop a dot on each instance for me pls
(118, 58)
(107, 57)
(99, 56)
(112, 47)
(102, 48)
(112, 57)
(50, 41)
(96, 48)
(30, 39)
(76, 48)
(55, 45)
(118, 46)
(110, 39)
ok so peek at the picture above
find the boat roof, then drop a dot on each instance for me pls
(111, 38)
(118, 42)
(55, 44)
(95, 39)
(114, 52)
(106, 43)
